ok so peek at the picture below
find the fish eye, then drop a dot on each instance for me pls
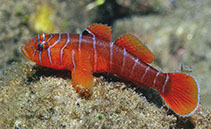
(40, 46)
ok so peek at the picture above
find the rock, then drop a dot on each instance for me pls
(38, 97)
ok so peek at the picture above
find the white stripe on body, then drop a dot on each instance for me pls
(123, 62)
(49, 49)
(34, 51)
(164, 85)
(146, 70)
(40, 57)
(94, 47)
(38, 37)
(155, 79)
(79, 43)
(134, 66)
(62, 49)
(73, 59)
(43, 35)
(111, 53)
(35, 41)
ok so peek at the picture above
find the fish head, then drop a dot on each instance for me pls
(36, 45)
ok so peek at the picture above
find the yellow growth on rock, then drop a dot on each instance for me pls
(42, 19)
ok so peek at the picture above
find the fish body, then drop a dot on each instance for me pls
(94, 52)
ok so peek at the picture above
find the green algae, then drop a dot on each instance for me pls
(94, 4)
(32, 96)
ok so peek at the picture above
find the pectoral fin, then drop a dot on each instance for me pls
(82, 73)
(82, 77)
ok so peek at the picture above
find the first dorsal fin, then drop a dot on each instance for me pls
(135, 47)
(100, 31)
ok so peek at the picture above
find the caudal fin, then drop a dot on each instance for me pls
(182, 94)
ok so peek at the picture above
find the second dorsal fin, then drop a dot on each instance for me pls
(100, 31)
(135, 47)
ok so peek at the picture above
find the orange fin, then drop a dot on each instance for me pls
(135, 47)
(182, 94)
(100, 31)
(82, 73)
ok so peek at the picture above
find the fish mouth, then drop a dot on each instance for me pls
(24, 52)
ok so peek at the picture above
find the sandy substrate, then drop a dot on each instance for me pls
(32, 96)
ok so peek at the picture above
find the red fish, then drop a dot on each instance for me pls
(94, 52)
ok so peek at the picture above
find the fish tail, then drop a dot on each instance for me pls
(182, 94)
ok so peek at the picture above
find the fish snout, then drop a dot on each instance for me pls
(25, 53)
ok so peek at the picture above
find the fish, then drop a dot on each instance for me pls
(93, 51)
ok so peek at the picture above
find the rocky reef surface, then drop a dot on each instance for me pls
(32, 96)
